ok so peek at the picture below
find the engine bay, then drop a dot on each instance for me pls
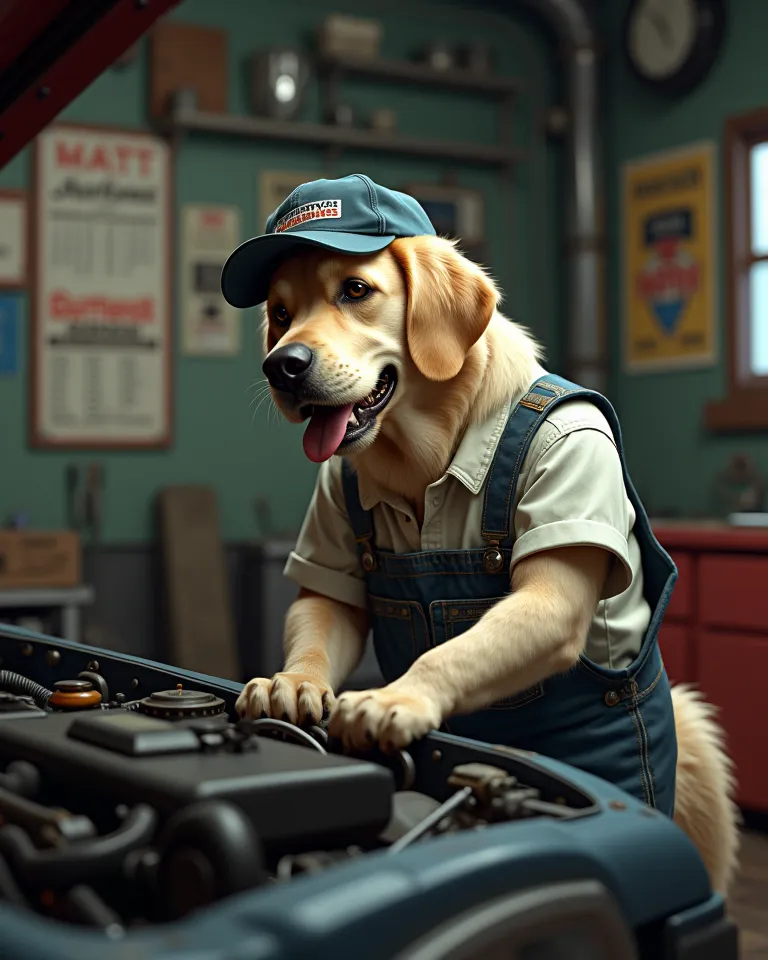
(120, 812)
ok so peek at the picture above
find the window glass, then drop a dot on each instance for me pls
(759, 195)
(758, 320)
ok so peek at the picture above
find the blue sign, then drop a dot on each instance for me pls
(9, 336)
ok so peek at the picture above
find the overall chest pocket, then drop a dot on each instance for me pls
(400, 634)
(451, 618)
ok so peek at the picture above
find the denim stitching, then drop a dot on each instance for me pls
(410, 605)
(429, 639)
(643, 778)
(448, 573)
(481, 607)
(651, 686)
(541, 383)
(503, 534)
(649, 767)
(646, 650)
(520, 699)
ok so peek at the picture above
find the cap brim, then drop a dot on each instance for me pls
(246, 274)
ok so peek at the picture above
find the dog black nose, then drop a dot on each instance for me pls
(287, 367)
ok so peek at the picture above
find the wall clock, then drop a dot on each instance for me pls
(671, 45)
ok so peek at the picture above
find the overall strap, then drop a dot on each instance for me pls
(524, 420)
(361, 520)
(544, 395)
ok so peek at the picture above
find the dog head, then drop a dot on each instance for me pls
(353, 342)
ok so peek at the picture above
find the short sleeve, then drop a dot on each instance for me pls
(325, 558)
(574, 495)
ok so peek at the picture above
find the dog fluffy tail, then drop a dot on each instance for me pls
(705, 786)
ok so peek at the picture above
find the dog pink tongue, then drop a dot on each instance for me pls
(325, 431)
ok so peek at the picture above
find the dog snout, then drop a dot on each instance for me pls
(286, 368)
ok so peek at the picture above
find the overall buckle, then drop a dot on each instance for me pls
(367, 558)
(493, 558)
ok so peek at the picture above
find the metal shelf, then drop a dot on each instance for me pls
(183, 120)
(46, 596)
(401, 71)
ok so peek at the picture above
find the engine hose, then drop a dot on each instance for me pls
(11, 682)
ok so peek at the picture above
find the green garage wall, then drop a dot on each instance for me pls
(673, 459)
(216, 440)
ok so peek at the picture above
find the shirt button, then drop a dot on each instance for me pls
(435, 501)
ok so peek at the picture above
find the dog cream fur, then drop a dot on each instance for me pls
(434, 315)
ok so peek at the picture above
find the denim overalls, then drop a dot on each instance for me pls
(617, 724)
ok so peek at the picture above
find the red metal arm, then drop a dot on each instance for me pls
(51, 50)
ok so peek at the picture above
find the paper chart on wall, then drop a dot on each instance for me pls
(211, 327)
(102, 330)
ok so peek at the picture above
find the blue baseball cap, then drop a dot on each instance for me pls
(350, 215)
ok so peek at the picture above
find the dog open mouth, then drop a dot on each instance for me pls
(331, 428)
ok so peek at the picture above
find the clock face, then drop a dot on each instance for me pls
(661, 36)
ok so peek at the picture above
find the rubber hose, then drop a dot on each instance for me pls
(11, 682)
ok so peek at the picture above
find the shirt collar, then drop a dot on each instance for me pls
(473, 459)
(470, 464)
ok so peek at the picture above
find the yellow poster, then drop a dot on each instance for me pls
(669, 260)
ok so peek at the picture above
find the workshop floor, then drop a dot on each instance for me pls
(749, 901)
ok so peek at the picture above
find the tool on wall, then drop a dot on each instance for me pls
(75, 497)
(85, 489)
(94, 493)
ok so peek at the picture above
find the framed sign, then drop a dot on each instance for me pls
(670, 285)
(274, 187)
(211, 327)
(455, 212)
(101, 291)
(13, 239)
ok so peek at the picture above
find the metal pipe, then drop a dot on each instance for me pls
(586, 356)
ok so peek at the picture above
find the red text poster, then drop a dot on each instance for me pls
(102, 325)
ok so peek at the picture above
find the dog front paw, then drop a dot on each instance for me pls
(392, 717)
(299, 698)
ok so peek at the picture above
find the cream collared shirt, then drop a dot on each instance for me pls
(570, 492)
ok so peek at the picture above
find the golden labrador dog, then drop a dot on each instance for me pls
(423, 310)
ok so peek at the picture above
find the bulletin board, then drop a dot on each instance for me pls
(669, 253)
(101, 290)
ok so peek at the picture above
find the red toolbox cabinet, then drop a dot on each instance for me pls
(715, 634)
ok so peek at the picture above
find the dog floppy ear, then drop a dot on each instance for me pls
(450, 304)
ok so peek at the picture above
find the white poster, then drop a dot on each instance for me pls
(13, 239)
(102, 324)
(208, 235)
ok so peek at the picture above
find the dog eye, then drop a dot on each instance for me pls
(356, 289)
(281, 316)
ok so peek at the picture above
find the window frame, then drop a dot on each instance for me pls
(745, 407)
